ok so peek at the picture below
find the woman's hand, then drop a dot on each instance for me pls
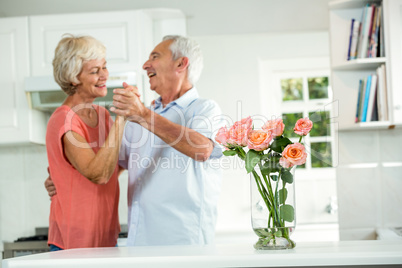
(50, 188)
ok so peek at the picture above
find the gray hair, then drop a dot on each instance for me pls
(70, 55)
(185, 47)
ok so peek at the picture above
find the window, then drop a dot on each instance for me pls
(306, 94)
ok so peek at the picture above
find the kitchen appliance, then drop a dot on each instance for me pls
(38, 243)
(27, 245)
(44, 93)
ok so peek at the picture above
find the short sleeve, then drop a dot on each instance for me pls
(72, 122)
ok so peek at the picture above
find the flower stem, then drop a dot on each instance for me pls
(260, 189)
(272, 198)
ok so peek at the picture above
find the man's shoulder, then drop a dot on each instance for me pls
(204, 104)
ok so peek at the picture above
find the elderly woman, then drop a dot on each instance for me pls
(82, 146)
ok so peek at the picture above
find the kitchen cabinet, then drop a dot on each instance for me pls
(27, 47)
(118, 31)
(17, 122)
(346, 74)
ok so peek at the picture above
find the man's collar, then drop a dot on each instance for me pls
(182, 102)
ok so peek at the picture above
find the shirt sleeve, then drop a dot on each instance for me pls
(207, 119)
(72, 122)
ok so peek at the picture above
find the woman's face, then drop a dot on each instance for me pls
(93, 79)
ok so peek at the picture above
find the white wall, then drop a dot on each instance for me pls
(231, 71)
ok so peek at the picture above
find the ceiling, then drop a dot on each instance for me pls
(204, 17)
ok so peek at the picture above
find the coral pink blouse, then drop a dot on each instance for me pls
(82, 213)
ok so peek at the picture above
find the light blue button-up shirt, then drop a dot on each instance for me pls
(172, 198)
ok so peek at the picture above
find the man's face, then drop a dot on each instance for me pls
(160, 68)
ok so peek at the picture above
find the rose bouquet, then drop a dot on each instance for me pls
(271, 159)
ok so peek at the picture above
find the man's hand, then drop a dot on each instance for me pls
(127, 103)
(50, 188)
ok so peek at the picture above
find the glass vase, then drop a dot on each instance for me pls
(273, 209)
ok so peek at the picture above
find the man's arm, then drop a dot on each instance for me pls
(51, 189)
(184, 139)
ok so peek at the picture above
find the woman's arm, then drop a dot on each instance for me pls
(97, 167)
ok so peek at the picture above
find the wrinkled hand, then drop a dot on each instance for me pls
(127, 103)
(50, 188)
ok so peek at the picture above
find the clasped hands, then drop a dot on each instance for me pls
(127, 103)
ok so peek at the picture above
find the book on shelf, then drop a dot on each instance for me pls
(381, 46)
(366, 99)
(371, 101)
(372, 104)
(382, 96)
(353, 39)
(359, 100)
(366, 37)
(364, 33)
(350, 37)
(374, 114)
(374, 40)
(363, 92)
(371, 29)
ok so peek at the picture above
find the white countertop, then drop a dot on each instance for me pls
(307, 254)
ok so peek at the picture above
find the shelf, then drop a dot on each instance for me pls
(360, 64)
(374, 125)
(348, 4)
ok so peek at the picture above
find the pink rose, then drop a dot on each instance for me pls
(285, 163)
(248, 122)
(303, 126)
(259, 139)
(238, 133)
(293, 154)
(222, 136)
(276, 126)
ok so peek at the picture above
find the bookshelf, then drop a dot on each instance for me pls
(346, 74)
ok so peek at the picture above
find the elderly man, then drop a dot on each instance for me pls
(168, 149)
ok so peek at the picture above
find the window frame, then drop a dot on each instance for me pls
(306, 106)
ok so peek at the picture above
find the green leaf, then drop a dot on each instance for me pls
(271, 165)
(265, 157)
(266, 169)
(278, 233)
(240, 152)
(252, 158)
(283, 195)
(279, 144)
(266, 241)
(229, 153)
(287, 176)
(274, 177)
(274, 161)
(263, 233)
(287, 213)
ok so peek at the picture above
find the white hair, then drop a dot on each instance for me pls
(185, 47)
(70, 55)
